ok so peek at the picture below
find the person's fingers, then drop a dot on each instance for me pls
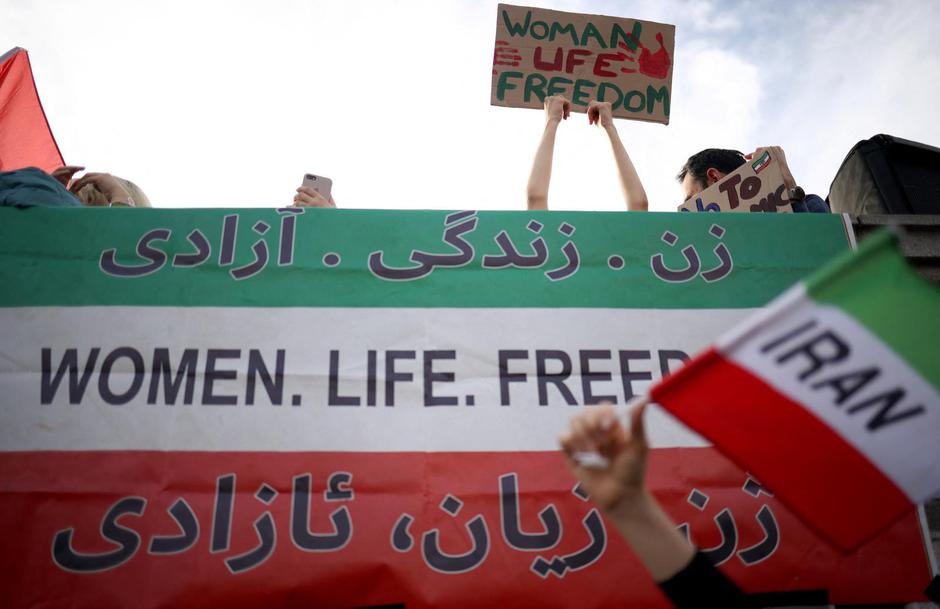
(581, 434)
(65, 173)
(66, 170)
(88, 178)
(566, 443)
(80, 183)
(637, 426)
(568, 451)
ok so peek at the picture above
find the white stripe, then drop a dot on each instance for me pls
(907, 451)
(307, 336)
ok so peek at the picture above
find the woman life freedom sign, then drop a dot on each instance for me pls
(623, 61)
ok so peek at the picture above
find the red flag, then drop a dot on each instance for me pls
(25, 137)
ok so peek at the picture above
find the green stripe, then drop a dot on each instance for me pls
(879, 288)
(50, 257)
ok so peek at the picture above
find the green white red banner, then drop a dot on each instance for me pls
(346, 409)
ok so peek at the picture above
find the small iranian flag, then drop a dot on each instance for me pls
(831, 395)
(761, 163)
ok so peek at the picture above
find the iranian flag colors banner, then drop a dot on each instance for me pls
(337, 408)
(832, 391)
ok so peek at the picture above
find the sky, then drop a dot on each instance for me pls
(207, 103)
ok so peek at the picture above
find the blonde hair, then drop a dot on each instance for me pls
(89, 195)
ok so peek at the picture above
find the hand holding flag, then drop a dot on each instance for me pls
(830, 395)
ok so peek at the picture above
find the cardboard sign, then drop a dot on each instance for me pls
(757, 185)
(623, 61)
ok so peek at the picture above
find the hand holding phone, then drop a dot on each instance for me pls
(314, 192)
(319, 183)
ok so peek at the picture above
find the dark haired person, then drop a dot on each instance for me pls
(712, 164)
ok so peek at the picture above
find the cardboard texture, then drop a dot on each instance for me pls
(541, 52)
(757, 185)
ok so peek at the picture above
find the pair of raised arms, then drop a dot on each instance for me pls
(557, 109)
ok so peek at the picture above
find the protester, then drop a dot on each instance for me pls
(101, 189)
(557, 109)
(619, 489)
(33, 187)
(712, 164)
(308, 197)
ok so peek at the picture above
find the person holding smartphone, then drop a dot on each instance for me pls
(557, 109)
(315, 192)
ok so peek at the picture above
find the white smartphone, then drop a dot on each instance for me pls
(318, 183)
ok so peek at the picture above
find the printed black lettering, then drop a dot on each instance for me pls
(588, 376)
(885, 403)
(542, 356)
(65, 557)
(824, 348)
(161, 369)
(209, 397)
(628, 376)
(847, 385)
(104, 378)
(670, 355)
(273, 384)
(334, 398)
(506, 377)
(391, 376)
(431, 377)
(69, 362)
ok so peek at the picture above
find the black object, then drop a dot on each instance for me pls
(793, 598)
(933, 590)
(797, 194)
(888, 175)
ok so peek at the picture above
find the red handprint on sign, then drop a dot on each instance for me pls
(504, 55)
(654, 65)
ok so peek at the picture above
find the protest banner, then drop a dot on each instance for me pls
(25, 137)
(541, 52)
(844, 362)
(343, 408)
(757, 185)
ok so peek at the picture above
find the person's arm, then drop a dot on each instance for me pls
(599, 113)
(557, 109)
(618, 487)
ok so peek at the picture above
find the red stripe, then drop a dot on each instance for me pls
(42, 493)
(821, 477)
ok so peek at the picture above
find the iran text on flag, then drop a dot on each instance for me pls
(830, 395)
(25, 137)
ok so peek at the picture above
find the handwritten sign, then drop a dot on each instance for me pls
(623, 61)
(756, 185)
